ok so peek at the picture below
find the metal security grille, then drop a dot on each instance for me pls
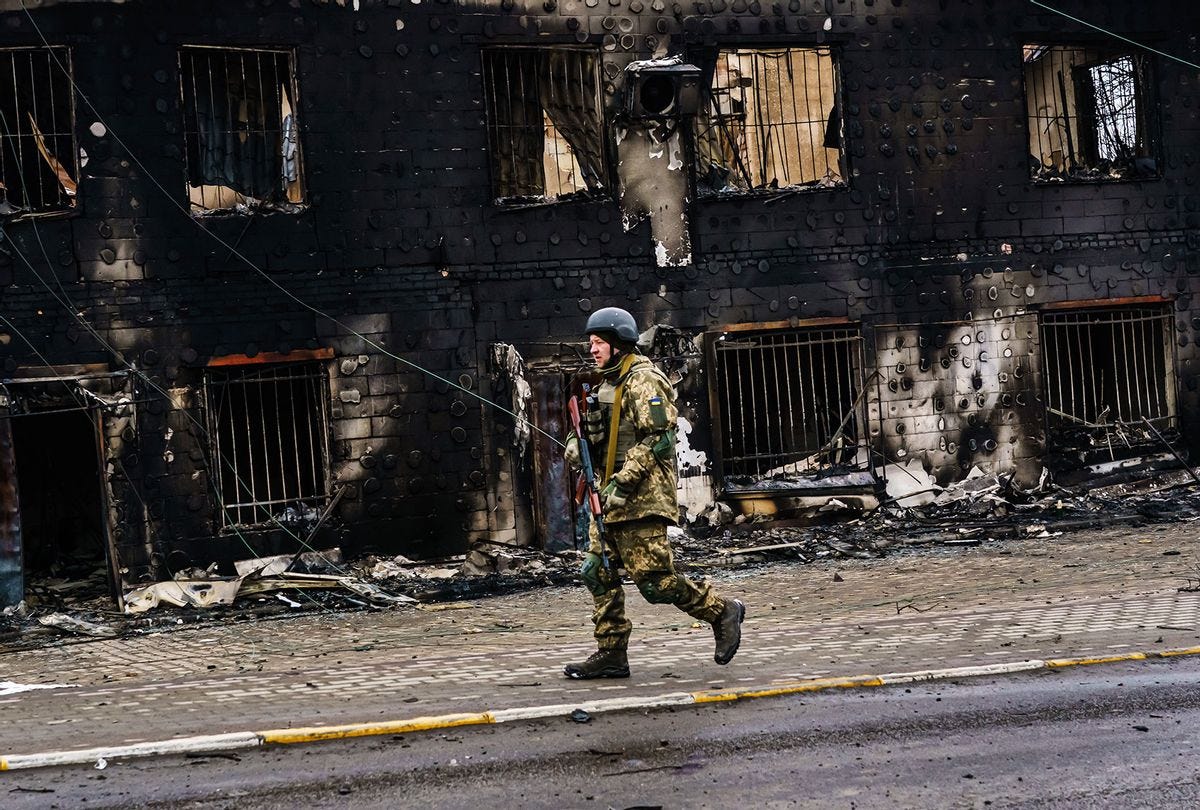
(770, 121)
(269, 433)
(240, 127)
(788, 401)
(39, 159)
(545, 125)
(1088, 112)
(1109, 366)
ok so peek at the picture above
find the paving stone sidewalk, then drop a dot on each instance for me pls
(1087, 594)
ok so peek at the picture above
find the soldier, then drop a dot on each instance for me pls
(637, 401)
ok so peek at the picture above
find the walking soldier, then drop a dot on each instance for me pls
(631, 435)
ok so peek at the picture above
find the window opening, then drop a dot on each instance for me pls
(241, 129)
(769, 120)
(1088, 113)
(269, 427)
(545, 126)
(789, 401)
(1105, 371)
(39, 157)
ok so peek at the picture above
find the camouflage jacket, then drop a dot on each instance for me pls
(645, 466)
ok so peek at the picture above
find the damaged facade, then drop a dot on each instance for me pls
(873, 235)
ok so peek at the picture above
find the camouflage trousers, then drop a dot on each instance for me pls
(641, 547)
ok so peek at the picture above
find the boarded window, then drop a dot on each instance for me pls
(241, 128)
(788, 401)
(268, 428)
(769, 120)
(1108, 367)
(39, 158)
(1088, 113)
(545, 126)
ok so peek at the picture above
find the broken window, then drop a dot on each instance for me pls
(39, 163)
(268, 428)
(1088, 111)
(241, 129)
(545, 125)
(768, 120)
(1107, 370)
(788, 401)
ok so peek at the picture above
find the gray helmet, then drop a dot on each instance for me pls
(615, 322)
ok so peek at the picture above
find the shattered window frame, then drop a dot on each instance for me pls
(1091, 111)
(1084, 394)
(791, 412)
(240, 436)
(740, 152)
(38, 137)
(561, 155)
(235, 159)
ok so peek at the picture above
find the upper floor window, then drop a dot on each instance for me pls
(241, 129)
(1089, 113)
(545, 125)
(769, 120)
(39, 158)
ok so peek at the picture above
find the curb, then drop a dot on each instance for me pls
(288, 736)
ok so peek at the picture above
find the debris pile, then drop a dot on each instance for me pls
(915, 512)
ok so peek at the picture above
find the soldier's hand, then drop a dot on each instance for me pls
(571, 452)
(613, 496)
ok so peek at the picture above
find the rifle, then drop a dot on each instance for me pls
(586, 488)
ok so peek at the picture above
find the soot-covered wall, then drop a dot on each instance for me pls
(937, 238)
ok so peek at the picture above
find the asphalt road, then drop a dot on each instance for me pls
(1122, 735)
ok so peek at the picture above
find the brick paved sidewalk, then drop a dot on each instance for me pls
(1093, 593)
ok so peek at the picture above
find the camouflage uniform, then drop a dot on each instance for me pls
(636, 531)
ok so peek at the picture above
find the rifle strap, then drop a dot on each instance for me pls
(614, 418)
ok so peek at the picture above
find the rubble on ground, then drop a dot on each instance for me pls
(978, 509)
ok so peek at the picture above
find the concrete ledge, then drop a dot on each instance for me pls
(288, 736)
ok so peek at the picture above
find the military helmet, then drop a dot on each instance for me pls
(613, 322)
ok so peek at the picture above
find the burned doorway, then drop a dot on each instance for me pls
(63, 510)
(1109, 383)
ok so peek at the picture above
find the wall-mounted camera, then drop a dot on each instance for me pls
(661, 89)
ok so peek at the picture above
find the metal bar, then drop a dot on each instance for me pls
(316, 432)
(1148, 383)
(1062, 89)
(291, 397)
(283, 483)
(1123, 371)
(19, 139)
(784, 445)
(1092, 369)
(265, 461)
(37, 125)
(753, 403)
(791, 407)
(808, 117)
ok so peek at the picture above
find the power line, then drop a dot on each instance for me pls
(233, 251)
(1097, 28)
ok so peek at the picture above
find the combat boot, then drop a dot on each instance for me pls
(727, 630)
(600, 664)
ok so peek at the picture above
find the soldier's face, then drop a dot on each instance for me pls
(600, 350)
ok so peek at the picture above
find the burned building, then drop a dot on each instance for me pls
(263, 265)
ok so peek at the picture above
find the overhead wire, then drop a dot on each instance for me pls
(1095, 27)
(67, 304)
(233, 251)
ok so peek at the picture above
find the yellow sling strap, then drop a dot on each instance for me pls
(614, 419)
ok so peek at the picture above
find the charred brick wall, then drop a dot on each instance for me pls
(939, 239)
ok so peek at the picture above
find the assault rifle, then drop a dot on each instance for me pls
(586, 490)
